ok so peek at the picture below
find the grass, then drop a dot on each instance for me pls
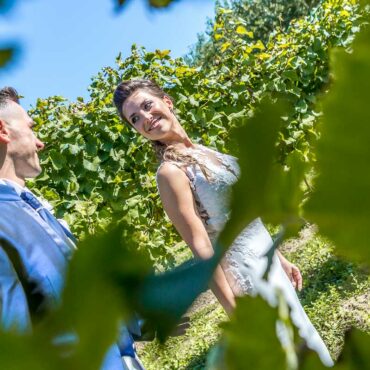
(190, 350)
(336, 296)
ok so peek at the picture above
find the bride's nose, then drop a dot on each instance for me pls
(147, 116)
(147, 120)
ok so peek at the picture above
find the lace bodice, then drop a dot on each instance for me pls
(211, 180)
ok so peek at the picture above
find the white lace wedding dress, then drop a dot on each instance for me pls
(245, 262)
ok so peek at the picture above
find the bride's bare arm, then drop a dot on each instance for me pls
(178, 202)
(292, 271)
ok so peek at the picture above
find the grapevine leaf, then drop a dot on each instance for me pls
(340, 204)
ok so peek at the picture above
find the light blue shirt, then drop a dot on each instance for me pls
(19, 189)
(44, 255)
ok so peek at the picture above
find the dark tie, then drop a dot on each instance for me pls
(45, 214)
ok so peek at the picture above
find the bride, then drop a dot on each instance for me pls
(194, 184)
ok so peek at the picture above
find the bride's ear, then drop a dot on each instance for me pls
(168, 101)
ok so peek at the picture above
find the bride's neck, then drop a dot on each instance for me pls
(178, 139)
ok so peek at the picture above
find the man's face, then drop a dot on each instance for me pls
(23, 144)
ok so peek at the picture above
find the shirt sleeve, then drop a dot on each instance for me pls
(14, 312)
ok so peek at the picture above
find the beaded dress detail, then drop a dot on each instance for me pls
(244, 263)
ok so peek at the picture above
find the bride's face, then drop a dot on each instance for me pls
(150, 115)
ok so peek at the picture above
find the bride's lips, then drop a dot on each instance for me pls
(154, 124)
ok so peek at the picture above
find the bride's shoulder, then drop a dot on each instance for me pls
(170, 177)
(168, 170)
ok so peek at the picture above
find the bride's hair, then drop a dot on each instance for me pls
(163, 152)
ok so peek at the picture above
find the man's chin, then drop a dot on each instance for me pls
(34, 173)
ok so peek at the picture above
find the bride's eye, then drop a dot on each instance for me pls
(134, 119)
(148, 105)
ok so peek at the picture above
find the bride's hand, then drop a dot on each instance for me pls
(292, 271)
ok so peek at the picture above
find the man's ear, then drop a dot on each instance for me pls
(4, 132)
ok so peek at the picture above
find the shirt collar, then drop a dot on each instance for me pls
(18, 188)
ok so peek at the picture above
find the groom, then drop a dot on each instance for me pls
(44, 244)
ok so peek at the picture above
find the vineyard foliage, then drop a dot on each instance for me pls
(342, 209)
(263, 17)
(97, 168)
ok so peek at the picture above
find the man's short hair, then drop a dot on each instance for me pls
(6, 94)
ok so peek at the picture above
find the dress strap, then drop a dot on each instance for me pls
(191, 174)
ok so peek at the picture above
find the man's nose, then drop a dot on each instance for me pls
(39, 144)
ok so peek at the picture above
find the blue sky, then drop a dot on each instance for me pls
(64, 43)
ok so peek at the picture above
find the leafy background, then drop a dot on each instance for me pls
(97, 170)
(96, 167)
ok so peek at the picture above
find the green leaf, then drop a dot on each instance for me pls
(340, 204)
(162, 53)
(250, 337)
(225, 46)
(160, 3)
(6, 56)
(165, 298)
(57, 159)
(91, 166)
(241, 30)
(265, 189)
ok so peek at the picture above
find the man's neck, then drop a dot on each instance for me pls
(19, 189)
(14, 179)
(8, 172)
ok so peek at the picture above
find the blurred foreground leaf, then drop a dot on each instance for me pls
(5, 56)
(340, 204)
(265, 189)
(250, 337)
(355, 355)
(28, 352)
(152, 3)
(107, 281)
(165, 298)
(160, 3)
(6, 5)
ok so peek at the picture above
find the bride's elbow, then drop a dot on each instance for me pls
(203, 252)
